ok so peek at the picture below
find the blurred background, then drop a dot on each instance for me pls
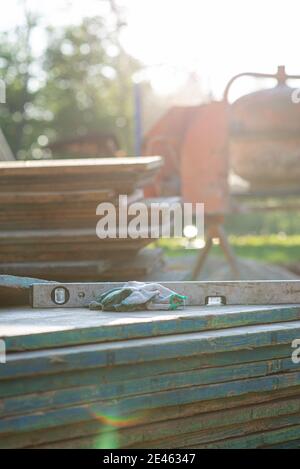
(100, 78)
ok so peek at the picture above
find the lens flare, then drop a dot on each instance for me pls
(109, 436)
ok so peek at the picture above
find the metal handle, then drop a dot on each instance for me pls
(281, 77)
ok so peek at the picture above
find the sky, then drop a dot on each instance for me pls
(214, 39)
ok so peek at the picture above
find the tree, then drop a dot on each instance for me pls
(88, 86)
(82, 84)
(17, 119)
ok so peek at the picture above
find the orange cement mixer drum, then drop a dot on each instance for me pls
(204, 159)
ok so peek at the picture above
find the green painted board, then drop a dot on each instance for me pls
(96, 376)
(266, 430)
(135, 421)
(170, 381)
(24, 328)
(146, 402)
(148, 349)
(226, 434)
(292, 444)
(141, 430)
(257, 440)
(205, 376)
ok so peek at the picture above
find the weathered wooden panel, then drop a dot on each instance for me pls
(97, 391)
(145, 402)
(98, 376)
(49, 216)
(137, 265)
(256, 440)
(149, 349)
(162, 433)
(207, 376)
(24, 328)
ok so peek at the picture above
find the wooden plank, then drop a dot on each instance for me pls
(227, 437)
(137, 267)
(98, 391)
(30, 329)
(140, 430)
(74, 223)
(256, 440)
(67, 210)
(16, 199)
(149, 349)
(243, 419)
(78, 166)
(267, 292)
(32, 384)
(291, 444)
(124, 185)
(80, 235)
(58, 271)
(89, 249)
(182, 389)
(137, 424)
(265, 433)
(146, 402)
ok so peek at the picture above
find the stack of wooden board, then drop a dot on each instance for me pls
(121, 174)
(205, 377)
(48, 218)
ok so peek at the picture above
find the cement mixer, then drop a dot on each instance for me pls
(264, 128)
(257, 137)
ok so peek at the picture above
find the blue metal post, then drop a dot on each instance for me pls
(137, 119)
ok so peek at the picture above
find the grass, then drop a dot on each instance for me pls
(277, 249)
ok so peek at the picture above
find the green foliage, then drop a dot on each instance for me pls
(17, 118)
(88, 85)
(82, 84)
